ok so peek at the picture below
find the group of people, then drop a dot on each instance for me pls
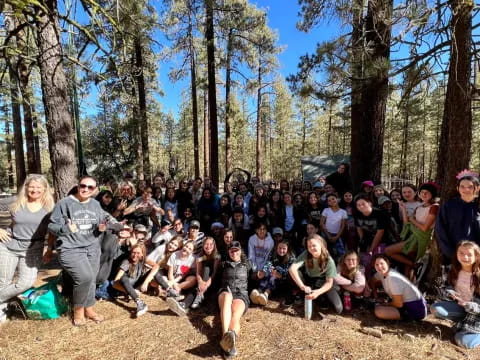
(297, 242)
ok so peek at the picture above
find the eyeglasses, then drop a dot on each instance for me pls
(85, 186)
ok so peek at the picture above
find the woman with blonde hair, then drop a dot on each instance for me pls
(21, 244)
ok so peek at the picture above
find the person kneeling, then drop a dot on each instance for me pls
(407, 301)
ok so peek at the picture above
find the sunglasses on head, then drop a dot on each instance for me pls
(85, 186)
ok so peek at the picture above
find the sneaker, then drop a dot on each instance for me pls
(176, 306)
(299, 299)
(142, 308)
(421, 267)
(289, 300)
(262, 299)
(171, 292)
(228, 341)
(254, 296)
(197, 301)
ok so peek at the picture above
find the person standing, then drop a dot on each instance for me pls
(21, 244)
(78, 222)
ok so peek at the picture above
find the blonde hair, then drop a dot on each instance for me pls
(47, 200)
(118, 191)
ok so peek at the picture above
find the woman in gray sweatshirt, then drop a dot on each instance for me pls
(78, 221)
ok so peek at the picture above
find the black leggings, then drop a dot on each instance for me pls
(332, 294)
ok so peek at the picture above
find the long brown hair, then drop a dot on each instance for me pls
(166, 255)
(214, 253)
(456, 266)
(131, 268)
(322, 261)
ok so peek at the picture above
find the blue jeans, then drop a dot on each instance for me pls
(448, 310)
(467, 340)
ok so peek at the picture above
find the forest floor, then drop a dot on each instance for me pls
(272, 332)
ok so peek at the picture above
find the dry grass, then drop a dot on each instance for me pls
(267, 333)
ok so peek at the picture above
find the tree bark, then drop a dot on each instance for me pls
(20, 171)
(456, 134)
(61, 138)
(259, 155)
(370, 89)
(212, 93)
(142, 107)
(206, 137)
(193, 84)
(228, 83)
(24, 67)
(8, 140)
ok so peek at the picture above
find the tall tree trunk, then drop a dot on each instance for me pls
(228, 83)
(212, 94)
(193, 85)
(137, 141)
(456, 133)
(403, 155)
(36, 140)
(15, 103)
(17, 129)
(206, 136)
(8, 140)
(142, 107)
(24, 67)
(259, 155)
(368, 108)
(61, 138)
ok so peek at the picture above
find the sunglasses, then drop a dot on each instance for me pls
(85, 186)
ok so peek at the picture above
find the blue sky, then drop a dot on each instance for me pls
(282, 17)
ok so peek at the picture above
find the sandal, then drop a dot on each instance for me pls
(97, 319)
(79, 322)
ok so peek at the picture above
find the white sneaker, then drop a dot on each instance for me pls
(262, 299)
(254, 296)
(177, 307)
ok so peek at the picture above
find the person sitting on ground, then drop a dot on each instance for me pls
(314, 272)
(406, 303)
(196, 236)
(416, 234)
(461, 302)
(181, 271)
(233, 296)
(260, 246)
(133, 273)
(274, 276)
(351, 275)
(207, 267)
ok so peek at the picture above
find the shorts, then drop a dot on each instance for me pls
(237, 295)
(414, 310)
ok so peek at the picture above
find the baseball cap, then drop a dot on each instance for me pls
(235, 245)
(383, 199)
(277, 230)
(195, 223)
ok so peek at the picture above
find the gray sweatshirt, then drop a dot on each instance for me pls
(85, 215)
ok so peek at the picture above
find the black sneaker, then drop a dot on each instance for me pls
(298, 299)
(142, 308)
(176, 306)
(228, 341)
(289, 300)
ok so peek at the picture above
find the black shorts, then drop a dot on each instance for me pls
(237, 295)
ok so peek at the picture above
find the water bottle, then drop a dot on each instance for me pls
(347, 301)
(308, 309)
